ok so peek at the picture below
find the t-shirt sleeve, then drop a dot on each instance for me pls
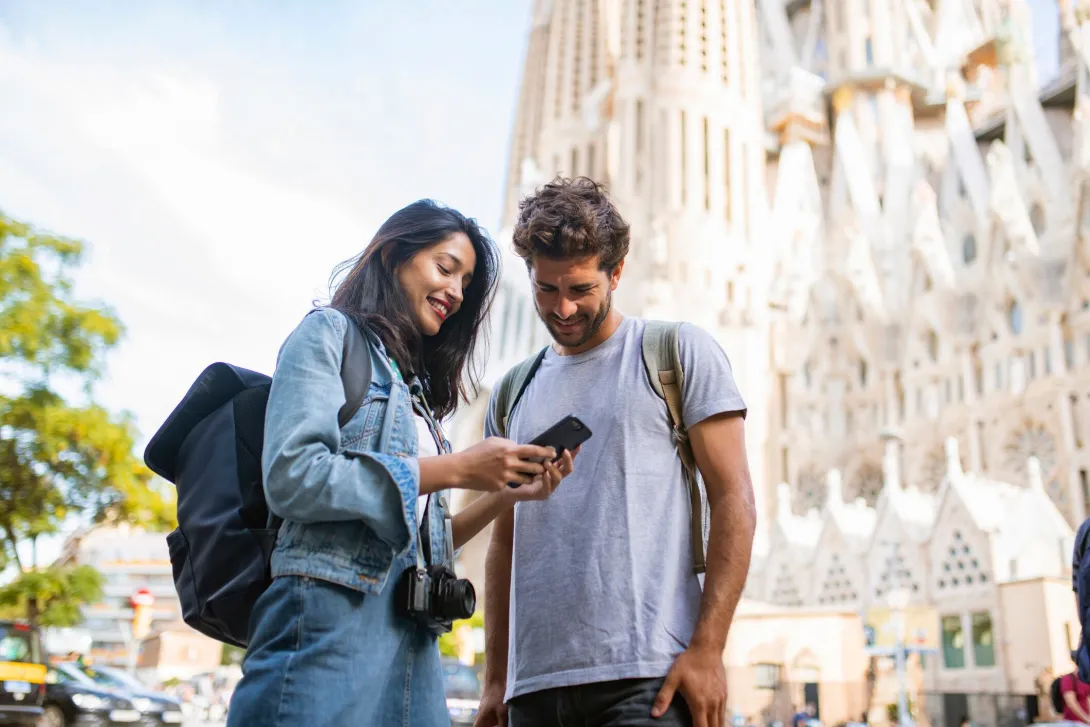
(490, 428)
(709, 387)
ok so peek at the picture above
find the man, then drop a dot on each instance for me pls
(594, 614)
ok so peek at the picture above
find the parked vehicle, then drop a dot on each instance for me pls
(22, 674)
(156, 708)
(463, 687)
(73, 698)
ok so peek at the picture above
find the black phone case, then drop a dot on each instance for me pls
(566, 434)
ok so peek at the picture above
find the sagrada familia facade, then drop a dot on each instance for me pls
(881, 212)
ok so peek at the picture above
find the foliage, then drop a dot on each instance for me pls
(893, 711)
(448, 642)
(58, 457)
(52, 596)
(231, 655)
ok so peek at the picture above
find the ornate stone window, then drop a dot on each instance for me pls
(784, 590)
(959, 566)
(896, 571)
(837, 586)
(1032, 439)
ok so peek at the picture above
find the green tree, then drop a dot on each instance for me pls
(59, 457)
(54, 594)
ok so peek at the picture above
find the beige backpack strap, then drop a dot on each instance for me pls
(662, 359)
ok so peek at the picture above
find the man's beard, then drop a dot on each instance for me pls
(592, 329)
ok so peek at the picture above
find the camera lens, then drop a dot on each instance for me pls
(577, 426)
(457, 599)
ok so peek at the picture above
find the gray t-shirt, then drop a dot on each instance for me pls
(602, 585)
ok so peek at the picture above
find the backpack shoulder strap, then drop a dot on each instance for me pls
(511, 387)
(355, 371)
(662, 359)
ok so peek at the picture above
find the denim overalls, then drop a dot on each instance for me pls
(327, 646)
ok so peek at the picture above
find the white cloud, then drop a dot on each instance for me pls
(219, 182)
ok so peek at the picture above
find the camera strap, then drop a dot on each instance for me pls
(442, 445)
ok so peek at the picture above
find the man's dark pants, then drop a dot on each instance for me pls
(623, 703)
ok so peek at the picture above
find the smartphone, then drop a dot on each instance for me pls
(565, 435)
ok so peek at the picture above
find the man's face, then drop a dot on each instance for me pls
(573, 297)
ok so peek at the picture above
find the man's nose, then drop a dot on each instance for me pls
(565, 309)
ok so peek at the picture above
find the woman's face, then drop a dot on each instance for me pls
(435, 279)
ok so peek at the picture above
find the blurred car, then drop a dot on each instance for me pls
(22, 675)
(73, 698)
(156, 708)
(463, 687)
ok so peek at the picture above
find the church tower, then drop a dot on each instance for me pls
(660, 100)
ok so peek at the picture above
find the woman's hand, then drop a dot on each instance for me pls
(483, 510)
(544, 484)
(490, 465)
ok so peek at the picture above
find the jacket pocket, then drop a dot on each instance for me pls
(361, 431)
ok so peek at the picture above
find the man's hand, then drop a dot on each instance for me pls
(699, 676)
(544, 484)
(492, 711)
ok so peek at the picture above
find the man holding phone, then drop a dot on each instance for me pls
(594, 614)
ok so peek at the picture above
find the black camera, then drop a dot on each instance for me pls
(435, 598)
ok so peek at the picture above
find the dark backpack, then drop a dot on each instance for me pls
(210, 448)
(1056, 696)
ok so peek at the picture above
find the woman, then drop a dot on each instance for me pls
(330, 644)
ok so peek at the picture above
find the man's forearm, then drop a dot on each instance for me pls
(730, 544)
(497, 576)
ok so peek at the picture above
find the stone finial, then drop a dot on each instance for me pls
(783, 501)
(1036, 479)
(835, 487)
(953, 459)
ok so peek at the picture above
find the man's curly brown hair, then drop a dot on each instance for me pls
(571, 218)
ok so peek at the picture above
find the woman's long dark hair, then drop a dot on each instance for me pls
(371, 295)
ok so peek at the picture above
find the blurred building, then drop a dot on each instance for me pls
(130, 559)
(176, 651)
(881, 213)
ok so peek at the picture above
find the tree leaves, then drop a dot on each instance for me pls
(52, 596)
(59, 458)
(41, 325)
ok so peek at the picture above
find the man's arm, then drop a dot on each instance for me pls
(497, 575)
(698, 674)
(719, 447)
(492, 711)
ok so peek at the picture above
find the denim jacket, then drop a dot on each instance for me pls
(348, 496)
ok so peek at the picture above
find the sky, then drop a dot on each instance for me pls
(221, 158)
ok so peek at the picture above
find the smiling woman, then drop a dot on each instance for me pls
(414, 275)
(363, 571)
